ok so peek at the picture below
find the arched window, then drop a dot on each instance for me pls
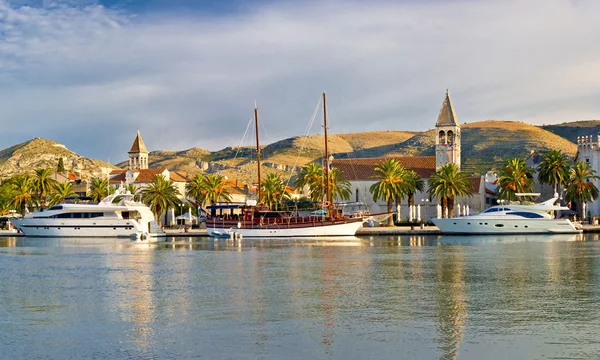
(442, 137)
(450, 137)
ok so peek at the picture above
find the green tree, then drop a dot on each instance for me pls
(24, 195)
(391, 184)
(413, 184)
(160, 195)
(515, 177)
(311, 175)
(448, 183)
(210, 189)
(99, 189)
(43, 183)
(61, 165)
(273, 191)
(340, 189)
(554, 169)
(60, 192)
(581, 189)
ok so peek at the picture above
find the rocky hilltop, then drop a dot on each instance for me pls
(42, 153)
(485, 145)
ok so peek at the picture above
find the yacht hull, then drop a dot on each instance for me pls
(468, 226)
(279, 231)
(77, 228)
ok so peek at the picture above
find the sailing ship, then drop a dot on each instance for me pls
(254, 221)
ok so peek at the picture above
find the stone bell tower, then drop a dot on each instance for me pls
(447, 138)
(138, 154)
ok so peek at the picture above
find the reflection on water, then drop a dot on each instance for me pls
(416, 297)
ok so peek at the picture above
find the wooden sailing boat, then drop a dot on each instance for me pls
(255, 222)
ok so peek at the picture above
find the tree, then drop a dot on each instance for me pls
(99, 189)
(24, 193)
(273, 191)
(60, 192)
(581, 189)
(554, 169)
(413, 184)
(160, 195)
(339, 188)
(448, 183)
(61, 165)
(311, 175)
(210, 188)
(43, 184)
(515, 177)
(391, 184)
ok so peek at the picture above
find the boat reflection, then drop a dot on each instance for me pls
(479, 239)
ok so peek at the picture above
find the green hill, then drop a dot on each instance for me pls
(42, 153)
(571, 130)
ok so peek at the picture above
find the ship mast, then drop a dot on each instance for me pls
(328, 195)
(257, 151)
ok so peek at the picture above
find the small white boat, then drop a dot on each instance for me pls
(124, 218)
(513, 218)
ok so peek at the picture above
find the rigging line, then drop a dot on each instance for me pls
(243, 138)
(304, 140)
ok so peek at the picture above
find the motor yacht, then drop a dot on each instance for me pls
(512, 218)
(117, 215)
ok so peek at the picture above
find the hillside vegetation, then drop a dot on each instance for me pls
(42, 153)
(485, 145)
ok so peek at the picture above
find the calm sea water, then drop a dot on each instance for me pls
(531, 297)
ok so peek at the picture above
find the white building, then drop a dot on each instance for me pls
(588, 151)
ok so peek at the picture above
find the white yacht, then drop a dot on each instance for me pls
(512, 218)
(118, 215)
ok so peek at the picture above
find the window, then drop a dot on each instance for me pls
(96, 214)
(64, 216)
(499, 225)
(528, 215)
(56, 207)
(77, 215)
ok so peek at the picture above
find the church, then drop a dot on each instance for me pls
(360, 172)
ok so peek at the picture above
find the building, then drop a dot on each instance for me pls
(360, 172)
(138, 154)
(588, 151)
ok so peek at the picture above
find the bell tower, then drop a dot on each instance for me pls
(138, 154)
(447, 138)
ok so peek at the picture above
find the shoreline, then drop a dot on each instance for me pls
(365, 231)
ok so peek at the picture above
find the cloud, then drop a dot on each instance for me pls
(90, 76)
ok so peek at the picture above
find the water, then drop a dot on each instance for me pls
(532, 297)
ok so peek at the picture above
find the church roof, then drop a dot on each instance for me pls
(447, 116)
(364, 168)
(138, 145)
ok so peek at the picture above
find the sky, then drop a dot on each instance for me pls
(187, 73)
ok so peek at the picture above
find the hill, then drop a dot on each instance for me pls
(183, 161)
(42, 153)
(571, 130)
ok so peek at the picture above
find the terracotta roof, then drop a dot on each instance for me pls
(488, 191)
(138, 145)
(117, 171)
(118, 179)
(447, 117)
(364, 168)
(146, 175)
(179, 177)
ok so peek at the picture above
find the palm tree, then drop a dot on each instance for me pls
(391, 184)
(339, 188)
(554, 169)
(515, 177)
(413, 184)
(209, 188)
(273, 191)
(311, 175)
(160, 195)
(99, 189)
(581, 189)
(448, 183)
(24, 193)
(60, 192)
(43, 183)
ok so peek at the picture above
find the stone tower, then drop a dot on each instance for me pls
(447, 139)
(138, 154)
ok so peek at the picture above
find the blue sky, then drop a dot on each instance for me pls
(187, 73)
